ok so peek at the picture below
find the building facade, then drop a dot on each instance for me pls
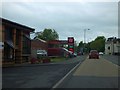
(112, 46)
(17, 42)
(38, 44)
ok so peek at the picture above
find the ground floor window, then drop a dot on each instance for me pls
(8, 53)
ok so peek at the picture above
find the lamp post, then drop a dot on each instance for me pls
(85, 38)
(85, 35)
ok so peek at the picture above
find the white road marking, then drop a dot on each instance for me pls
(60, 81)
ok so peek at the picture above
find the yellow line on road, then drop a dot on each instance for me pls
(97, 67)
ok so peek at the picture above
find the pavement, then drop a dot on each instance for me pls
(112, 58)
(93, 73)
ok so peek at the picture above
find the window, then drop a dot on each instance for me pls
(26, 45)
(8, 34)
(109, 48)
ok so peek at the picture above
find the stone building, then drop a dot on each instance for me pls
(112, 46)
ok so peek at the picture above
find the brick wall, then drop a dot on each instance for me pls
(37, 44)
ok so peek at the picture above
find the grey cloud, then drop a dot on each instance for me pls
(68, 19)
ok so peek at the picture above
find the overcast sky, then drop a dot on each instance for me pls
(67, 18)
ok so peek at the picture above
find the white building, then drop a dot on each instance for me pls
(112, 46)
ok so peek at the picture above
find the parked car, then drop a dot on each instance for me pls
(93, 54)
(101, 53)
(70, 54)
(41, 52)
(57, 52)
(75, 55)
(80, 53)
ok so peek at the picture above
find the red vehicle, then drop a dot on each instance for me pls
(59, 52)
(54, 52)
(80, 53)
(93, 54)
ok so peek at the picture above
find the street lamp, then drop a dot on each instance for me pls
(85, 37)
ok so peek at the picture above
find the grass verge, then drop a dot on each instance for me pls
(58, 59)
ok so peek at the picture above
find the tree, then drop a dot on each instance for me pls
(80, 46)
(48, 34)
(75, 46)
(98, 44)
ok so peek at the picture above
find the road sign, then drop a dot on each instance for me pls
(71, 44)
(70, 40)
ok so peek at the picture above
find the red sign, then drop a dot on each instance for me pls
(71, 49)
(71, 44)
(70, 40)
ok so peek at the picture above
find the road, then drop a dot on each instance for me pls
(112, 58)
(39, 76)
(93, 73)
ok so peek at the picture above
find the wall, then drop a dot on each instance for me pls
(114, 48)
(37, 44)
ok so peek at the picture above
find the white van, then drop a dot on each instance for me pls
(42, 52)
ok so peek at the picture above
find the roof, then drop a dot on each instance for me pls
(112, 39)
(38, 39)
(16, 25)
(58, 42)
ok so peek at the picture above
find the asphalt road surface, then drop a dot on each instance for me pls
(39, 76)
(93, 73)
(112, 58)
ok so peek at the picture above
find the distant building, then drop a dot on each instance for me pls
(38, 44)
(112, 46)
(57, 43)
(16, 40)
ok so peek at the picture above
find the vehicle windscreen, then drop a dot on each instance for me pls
(94, 51)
